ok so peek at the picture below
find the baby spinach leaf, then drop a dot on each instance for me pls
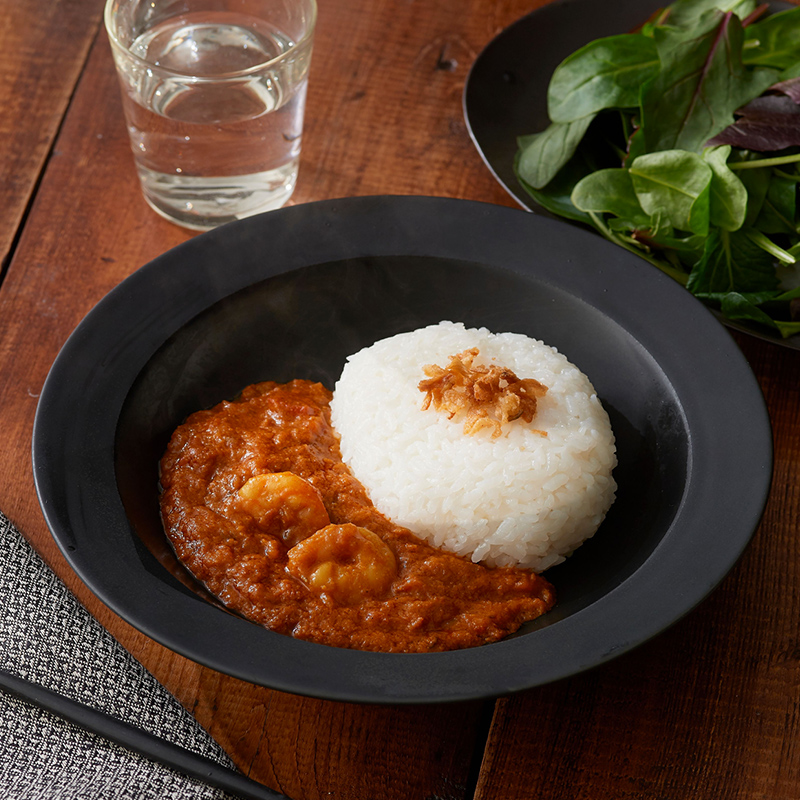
(676, 183)
(738, 306)
(689, 249)
(610, 191)
(555, 197)
(606, 73)
(626, 225)
(749, 307)
(728, 201)
(791, 294)
(775, 41)
(756, 181)
(779, 207)
(685, 13)
(732, 262)
(681, 252)
(701, 84)
(754, 307)
(636, 147)
(543, 154)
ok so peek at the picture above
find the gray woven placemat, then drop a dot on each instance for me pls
(47, 637)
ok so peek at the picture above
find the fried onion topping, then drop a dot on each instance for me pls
(491, 396)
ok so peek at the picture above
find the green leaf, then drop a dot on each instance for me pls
(677, 184)
(792, 294)
(689, 249)
(728, 202)
(779, 207)
(792, 72)
(768, 246)
(636, 146)
(732, 262)
(701, 84)
(774, 42)
(543, 154)
(654, 225)
(735, 305)
(685, 13)
(756, 182)
(609, 191)
(595, 151)
(555, 197)
(745, 307)
(771, 297)
(762, 308)
(606, 73)
(787, 329)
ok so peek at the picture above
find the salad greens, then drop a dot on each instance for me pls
(681, 142)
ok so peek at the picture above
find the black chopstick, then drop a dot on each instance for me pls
(140, 741)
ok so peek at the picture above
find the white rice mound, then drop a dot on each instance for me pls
(520, 499)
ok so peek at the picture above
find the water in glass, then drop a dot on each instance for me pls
(216, 121)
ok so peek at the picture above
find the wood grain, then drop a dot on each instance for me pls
(43, 47)
(384, 109)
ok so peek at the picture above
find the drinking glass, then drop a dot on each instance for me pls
(214, 94)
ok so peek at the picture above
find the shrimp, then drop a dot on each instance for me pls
(343, 563)
(285, 505)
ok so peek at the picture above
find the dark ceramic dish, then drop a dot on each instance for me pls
(290, 294)
(505, 95)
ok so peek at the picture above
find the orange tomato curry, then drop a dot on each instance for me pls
(261, 509)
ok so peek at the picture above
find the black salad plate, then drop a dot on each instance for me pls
(289, 294)
(505, 95)
(506, 91)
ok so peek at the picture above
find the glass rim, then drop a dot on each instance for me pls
(116, 43)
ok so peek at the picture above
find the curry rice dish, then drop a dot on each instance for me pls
(261, 507)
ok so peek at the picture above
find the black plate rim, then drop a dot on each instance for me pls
(505, 42)
(293, 666)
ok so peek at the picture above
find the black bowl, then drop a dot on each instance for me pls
(290, 294)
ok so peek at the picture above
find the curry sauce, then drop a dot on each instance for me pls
(260, 508)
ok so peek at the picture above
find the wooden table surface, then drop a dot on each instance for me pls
(709, 709)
